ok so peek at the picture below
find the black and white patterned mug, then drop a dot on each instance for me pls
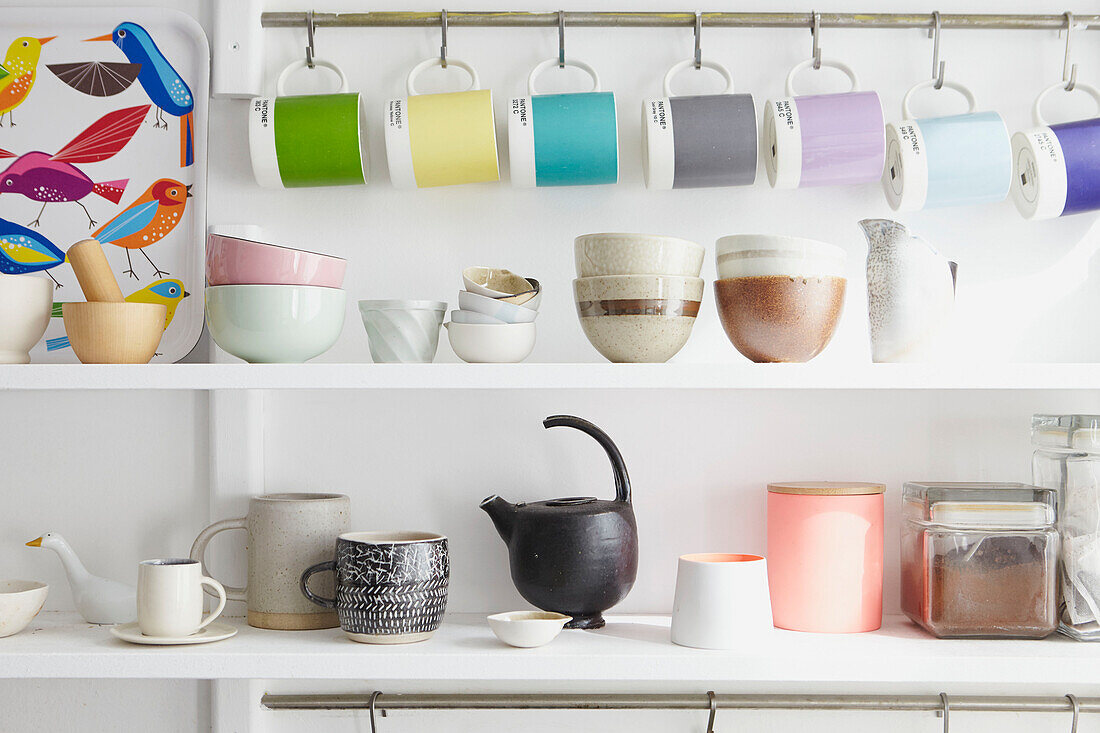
(391, 587)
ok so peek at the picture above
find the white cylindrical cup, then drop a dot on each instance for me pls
(169, 597)
(722, 600)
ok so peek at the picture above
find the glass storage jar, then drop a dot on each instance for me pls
(1067, 459)
(980, 559)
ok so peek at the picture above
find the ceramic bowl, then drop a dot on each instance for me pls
(20, 601)
(507, 312)
(473, 317)
(114, 333)
(274, 323)
(481, 343)
(636, 254)
(527, 629)
(531, 299)
(637, 318)
(402, 331)
(26, 302)
(235, 261)
(495, 282)
(764, 255)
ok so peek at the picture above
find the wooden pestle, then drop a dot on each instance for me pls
(93, 272)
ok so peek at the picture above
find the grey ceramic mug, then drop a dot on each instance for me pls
(286, 534)
(699, 141)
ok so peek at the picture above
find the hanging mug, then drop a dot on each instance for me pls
(308, 139)
(946, 161)
(824, 139)
(441, 139)
(1056, 168)
(699, 141)
(563, 139)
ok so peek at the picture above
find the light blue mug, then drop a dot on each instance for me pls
(946, 161)
(563, 139)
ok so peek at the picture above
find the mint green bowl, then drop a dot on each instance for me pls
(273, 324)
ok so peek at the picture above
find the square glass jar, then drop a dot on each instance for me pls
(980, 559)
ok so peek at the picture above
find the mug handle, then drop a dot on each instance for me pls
(221, 599)
(839, 65)
(708, 64)
(320, 567)
(972, 105)
(410, 81)
(543, 66)
(280, 85)
(1037, 109)
(198, 552)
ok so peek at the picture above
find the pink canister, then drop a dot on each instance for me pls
(824, 139)
(825, 556)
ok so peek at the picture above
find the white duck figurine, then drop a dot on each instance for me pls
(910, 292)
(98, 600)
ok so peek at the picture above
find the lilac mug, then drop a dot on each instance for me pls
(824, 139)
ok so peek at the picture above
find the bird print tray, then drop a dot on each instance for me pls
(103, 123)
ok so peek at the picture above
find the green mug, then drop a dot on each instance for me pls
(308, 139)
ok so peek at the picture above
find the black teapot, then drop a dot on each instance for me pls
(577, 555)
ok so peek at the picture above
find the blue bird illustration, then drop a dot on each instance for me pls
(24, 250)
(165, 87)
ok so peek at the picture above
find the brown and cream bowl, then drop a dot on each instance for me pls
(638, 318)
(779, 298)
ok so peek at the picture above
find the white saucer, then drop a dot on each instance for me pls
(214, 632)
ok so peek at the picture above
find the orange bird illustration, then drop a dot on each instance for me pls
(18, 71)
(147, 220)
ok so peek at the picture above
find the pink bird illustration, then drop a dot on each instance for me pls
(55, 178)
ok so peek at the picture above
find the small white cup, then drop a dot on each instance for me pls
(169, 597)
(721, 600)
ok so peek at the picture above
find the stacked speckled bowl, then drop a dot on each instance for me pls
(637, 295)
(495, 320)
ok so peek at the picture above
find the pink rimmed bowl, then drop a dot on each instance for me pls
(233, 261)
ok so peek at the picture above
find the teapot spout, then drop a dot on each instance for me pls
(503, 514)
(883, 231)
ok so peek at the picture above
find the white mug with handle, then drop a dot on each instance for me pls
(169, 598)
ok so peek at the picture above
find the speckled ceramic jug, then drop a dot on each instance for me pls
(287, 533)
(910, 292)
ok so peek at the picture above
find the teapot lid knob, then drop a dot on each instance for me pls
(571, 501)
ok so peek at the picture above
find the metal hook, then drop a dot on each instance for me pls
(561, 39)
(946, 713)
(310, 50)
(937, 65)
(443, 44)
(1076, 711)
(815, 31)
(374, 698)
(713, 711)
(1069, 72)
(698, 35)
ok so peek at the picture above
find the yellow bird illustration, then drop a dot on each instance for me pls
(17, 73)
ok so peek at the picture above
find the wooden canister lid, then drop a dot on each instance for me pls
(827, 488)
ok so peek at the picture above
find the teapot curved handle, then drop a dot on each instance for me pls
(622, 480)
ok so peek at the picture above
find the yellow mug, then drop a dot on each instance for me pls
(441, 139)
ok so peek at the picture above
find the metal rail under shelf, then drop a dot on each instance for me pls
(908, 703)
(597, 19)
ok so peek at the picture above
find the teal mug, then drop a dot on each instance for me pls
(308, 139)
(563, 139)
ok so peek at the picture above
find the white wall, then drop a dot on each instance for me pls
(124, 476)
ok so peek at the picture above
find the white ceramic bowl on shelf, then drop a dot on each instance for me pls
(499, 309)
(491, 343)
(275, 323)
(25, 305)
(20, 601)
(528, 629)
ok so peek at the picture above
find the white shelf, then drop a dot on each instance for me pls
(547, 376)
(630, 648)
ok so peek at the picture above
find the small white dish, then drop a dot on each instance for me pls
(527, 629)
(214, 632)
(474, 317)
(491, 343)
(20, 601)
(502, 310)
